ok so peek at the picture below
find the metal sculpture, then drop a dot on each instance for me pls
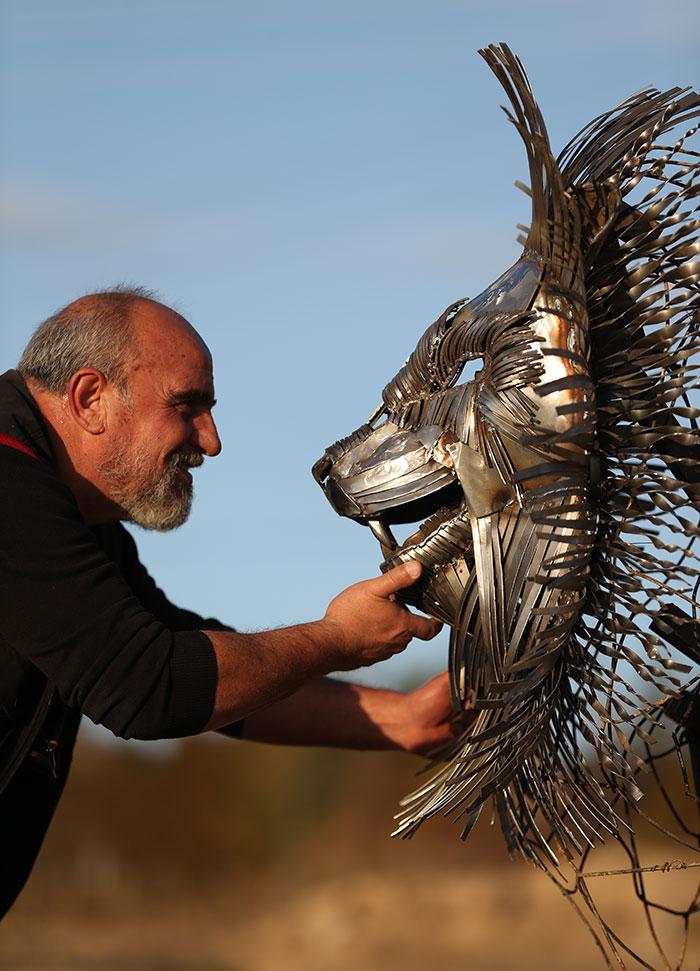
(559, 491)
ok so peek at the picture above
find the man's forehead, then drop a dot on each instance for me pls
(166, 338)
(170, 358)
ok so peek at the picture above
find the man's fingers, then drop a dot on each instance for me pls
(401, 576)
(424, 628)
(397, 579)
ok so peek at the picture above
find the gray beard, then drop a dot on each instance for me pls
(153, 501)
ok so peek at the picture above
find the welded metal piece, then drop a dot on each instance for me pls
(558, 489)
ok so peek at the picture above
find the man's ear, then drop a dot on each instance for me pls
(88, 390)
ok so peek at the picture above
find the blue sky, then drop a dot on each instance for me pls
(310, 184)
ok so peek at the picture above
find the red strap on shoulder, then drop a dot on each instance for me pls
(20, 446)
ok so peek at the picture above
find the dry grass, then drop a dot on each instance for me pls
(247, 858)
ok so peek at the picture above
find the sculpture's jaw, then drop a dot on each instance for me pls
(390, 476)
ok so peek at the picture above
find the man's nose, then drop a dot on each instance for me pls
(206, 436)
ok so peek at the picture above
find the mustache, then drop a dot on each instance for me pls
(186, 458)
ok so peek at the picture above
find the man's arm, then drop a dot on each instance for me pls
(343, 715)
(362, 625)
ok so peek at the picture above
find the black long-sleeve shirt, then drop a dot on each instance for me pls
(83, 629)
(77, 605)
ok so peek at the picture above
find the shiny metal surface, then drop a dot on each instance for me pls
(557, 492)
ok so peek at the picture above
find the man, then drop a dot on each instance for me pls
(110, 407)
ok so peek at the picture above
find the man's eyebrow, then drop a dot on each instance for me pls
(192, 394)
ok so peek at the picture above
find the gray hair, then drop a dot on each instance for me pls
(96, 331)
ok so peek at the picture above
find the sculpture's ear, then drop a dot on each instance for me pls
(598, 204)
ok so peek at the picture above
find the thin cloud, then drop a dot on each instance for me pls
(38, 215)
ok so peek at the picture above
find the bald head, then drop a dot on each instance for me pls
(100, 330)
(161, 337)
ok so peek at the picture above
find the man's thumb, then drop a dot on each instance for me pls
(401, 576)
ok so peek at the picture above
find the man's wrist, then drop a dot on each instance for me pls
(331, 640)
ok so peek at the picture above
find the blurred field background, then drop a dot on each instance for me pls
(220, 856)
(311, 184)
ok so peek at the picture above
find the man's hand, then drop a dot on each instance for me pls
(361, 626)
(423, 721)
(344, 715)
(370, 625)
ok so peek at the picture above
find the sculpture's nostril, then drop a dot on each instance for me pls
(321, 469)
